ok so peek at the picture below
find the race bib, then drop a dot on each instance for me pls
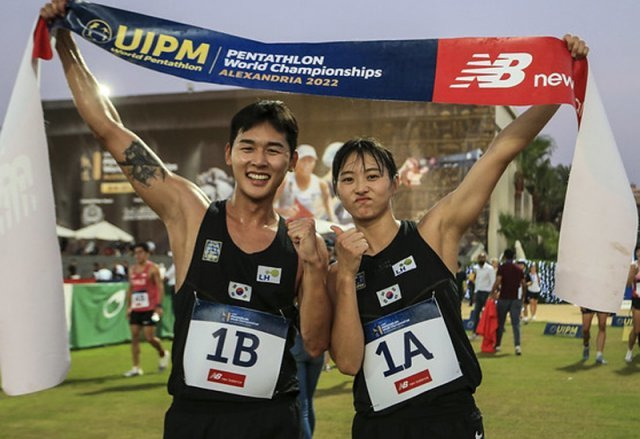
(234, 350)
(406, 354)
(139, 300)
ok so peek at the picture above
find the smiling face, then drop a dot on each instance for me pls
(364, 187)
(259, 159)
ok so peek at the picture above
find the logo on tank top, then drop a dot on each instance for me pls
(269, 274)
(212, 250)
(389, 295)
(407, 264)
(360, 283)
(239, 291)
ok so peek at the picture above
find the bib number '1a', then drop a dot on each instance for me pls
(408, 353)
(234, 350)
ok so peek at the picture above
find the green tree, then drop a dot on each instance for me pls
(539, 240)
(546, 183)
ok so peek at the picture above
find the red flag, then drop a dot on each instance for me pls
(42, 41)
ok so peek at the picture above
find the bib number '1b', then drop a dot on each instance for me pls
(234, 350)
(408, 353)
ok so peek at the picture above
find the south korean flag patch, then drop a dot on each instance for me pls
(389, 295)
(239, 291)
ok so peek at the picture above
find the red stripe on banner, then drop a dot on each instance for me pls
(42, 41)
(508, 71)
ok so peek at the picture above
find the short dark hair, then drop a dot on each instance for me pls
(143, 245)
(509, 254)
(361, 146)
(276, 113)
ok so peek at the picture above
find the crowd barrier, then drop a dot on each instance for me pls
(97, 314)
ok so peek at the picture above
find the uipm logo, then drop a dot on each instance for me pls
(506, 71)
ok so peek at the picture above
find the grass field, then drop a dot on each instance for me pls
(547, 392)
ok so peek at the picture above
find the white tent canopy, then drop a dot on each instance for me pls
(104, 231)
(63, 232)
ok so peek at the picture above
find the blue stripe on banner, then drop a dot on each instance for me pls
(393, 70)
(398, 320)
(234, 315)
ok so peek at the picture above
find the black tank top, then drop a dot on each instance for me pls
(216, 261)
(411, 263)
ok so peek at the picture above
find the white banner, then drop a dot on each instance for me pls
(34, 351)
(600, 218)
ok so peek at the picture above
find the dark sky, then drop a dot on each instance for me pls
(610, 29)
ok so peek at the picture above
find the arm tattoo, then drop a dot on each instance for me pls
(143, 165)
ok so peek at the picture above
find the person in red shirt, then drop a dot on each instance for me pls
(144, 307)
(509, 279)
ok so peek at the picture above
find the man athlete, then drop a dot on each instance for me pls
(239, 268)
(144, 307)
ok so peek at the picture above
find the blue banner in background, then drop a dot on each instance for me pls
(621, 321)
(563, 329)
(484, 71)
(400, 70)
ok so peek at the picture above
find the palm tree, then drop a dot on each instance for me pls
(547, 185)
(539, 240)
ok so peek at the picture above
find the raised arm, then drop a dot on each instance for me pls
(156, 185)
(179, 203)
(446, 222)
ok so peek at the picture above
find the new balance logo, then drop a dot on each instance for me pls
(506, 71)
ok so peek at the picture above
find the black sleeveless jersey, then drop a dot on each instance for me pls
(409, 271)
(217, 262)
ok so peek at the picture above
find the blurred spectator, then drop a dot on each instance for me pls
(304, 194)
(102, 274)
(72, 271)
(215, 183)
(485, 277)
(411, 171)
(509, 279)
(170, 278)
(119, 273)
(341, 215)
(90, 248)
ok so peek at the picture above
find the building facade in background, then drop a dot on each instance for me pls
(189, 132)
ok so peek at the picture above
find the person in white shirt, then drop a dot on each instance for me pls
(102, 274)
(485, 276)
(533, 293)
(302, 193)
